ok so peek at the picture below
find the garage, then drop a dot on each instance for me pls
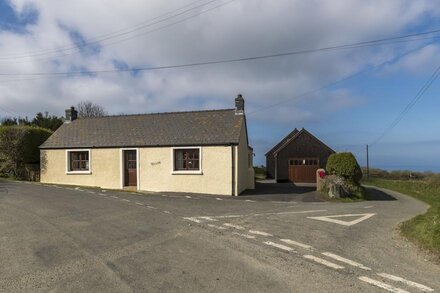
(297, 157)
(303, 169)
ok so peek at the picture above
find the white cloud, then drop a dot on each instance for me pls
(242, 28)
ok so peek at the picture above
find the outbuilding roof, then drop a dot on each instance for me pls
(212, 127)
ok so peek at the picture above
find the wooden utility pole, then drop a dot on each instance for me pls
(368, 164)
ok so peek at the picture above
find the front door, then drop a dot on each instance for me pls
(130, 168)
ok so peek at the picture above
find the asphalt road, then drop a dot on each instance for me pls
(61, 239)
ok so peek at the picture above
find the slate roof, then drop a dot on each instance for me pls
(287, 138)
(213, 127)
(291, 137)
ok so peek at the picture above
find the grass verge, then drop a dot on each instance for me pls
(423, 229)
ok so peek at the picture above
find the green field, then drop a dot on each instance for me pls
(424, 229)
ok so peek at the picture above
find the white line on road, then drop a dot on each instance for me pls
(248, 200)
(113, 196)
(421, 287)
(208, 219)
(331, 219)
(260, 233)
(103, 190)
(188, 196)
(279, 246)
(123, 199)
(244, 235)
(302, 245)
(217, 227)
(368, 207)
(323, 262)
(150, 207)
(192, 219)
(138, 203)
(382, 285)
(346, 260)
(217, 198)
(266, 214)
(167, 212)
(233, 226)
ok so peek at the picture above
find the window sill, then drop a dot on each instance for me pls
(78, 172)
(195, 172)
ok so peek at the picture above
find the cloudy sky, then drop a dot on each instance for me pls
(346, 97)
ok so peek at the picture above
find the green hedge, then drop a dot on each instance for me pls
(344, 165)
(19, 146)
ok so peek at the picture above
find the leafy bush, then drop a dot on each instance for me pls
(19, 146)
(346, 166)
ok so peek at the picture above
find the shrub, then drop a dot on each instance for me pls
(19, 146)
(346, 166)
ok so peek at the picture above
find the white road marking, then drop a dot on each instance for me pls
(382, 285)
(302, 245)
(188, 196)
(217, 227)
(192, 219)
(217, 198)
(248, 200)
(323, 262)
(346, 260)
(103, 190)
(421, 287)
(163, 195)
(368, 207)
(123, 199)
(77, 188)
(138, 203)
(167, 212)
(233, 226)
(279, 246)
(260, 233)
(208, 219)
(113, 196)
(265, 214)
(244, 235)
(150, 207)
(331, 219)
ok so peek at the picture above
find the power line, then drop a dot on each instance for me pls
(335, 82)
(118, 33)
(252, 58)
(410, 105)
(131, 37)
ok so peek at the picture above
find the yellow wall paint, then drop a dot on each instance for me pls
(105, 169)
(216, 178)
(155, 170)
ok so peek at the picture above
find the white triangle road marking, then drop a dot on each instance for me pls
(331, 219)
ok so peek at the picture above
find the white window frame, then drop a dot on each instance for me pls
(122, 166)
(187, 172)
(68, 151)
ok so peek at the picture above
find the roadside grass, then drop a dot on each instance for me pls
(423, 229)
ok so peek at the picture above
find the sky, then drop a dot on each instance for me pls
(347, 97)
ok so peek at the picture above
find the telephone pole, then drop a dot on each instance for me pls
(368, 164)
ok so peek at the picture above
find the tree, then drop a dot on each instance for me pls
(47, 121)
(87, 109)
(19, 146)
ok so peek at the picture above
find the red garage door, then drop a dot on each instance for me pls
(303, 170)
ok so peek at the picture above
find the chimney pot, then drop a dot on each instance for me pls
(239, 105)
(71, 114)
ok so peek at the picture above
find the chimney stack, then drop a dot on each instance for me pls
(71, 114)
(239, 105)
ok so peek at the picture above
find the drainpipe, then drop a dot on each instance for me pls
(276, 167)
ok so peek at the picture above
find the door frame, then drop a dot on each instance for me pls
(122, 166)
